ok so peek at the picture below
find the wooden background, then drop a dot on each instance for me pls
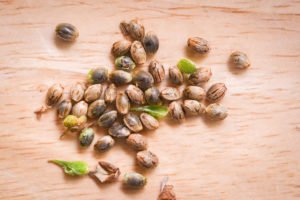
(253, 154)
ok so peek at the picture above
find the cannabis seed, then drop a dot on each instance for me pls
(149, 121)
(120, 77)
(86, 137)
(151, 42)
(143, 79)
(107, 119)
(118, 130)
(176, 111)
(110, 93)
(216, 111)
(122, 103)
(93, 93)
(132, 121)
(198, 44)
(137, 142)
(67, 32)
(175, 75)
(216, 92)
(194, 93)
(124, 63)
(134, 180)
(64, 108)
(96, 108)
(54, 94)
(120, 48)
(157, 71)
(135, 95)
(239, 60)
(146, 159)
(80, 109)
(98, 75)
(152, 96)
(193, 107)
(77, 92)
(200, 76)
(170, 94)
(134, 29)
(104, 143)
(138, 53)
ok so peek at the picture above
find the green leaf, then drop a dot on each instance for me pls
(74, 168)
(154, 110)
(186, 66)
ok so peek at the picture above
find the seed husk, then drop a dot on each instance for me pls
(80, 109)
(143, 79)
(125, 63)
(134, 180)
(176, 111)
(77, 92)
(134, 29)
(193, 107)
(86, 137)
(175, 75)
(107, 119)
(105, 172)
(104, 143)
(118, 130)
(149, 121)
(122, 103)
(98, 75)
(152, 96)
(151, 42)
(66, 32)
(120, 77)
(146, 159)
(92, 93)
(54, 94)
(64, 108)
(132, 121)
(170, 94)
(200, 76)
(110, 94)
(135, 95)
(216, 92)
(138, 53)
(198, 44)
(157, 70)
(216, 111)
(137, 142)
(194, 93)
(96, 109)
(120, 48)
(239, 60)
(166, 191)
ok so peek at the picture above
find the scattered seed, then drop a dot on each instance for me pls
(122, 103)
(143, 79)
(107, 119)
(133, 122)
(216, 111)
(134, 180)
(120, 77)
(66, 32)
(146, 159)
(54, 94)
(175, 75)
(96, 109)
(98, 75)
(170, 94)
(157, 71)
(80, 109)
(176, 111)
(239, 60)
(198, 44)
(125, 63)
(151, 42)
(149, 121)
(193, 107)
(93, 93)
(137, 142)
(135, 95)
(118, 130)
(138, 53)
(64, 108)
(194, 93)
(201, 75)
(110, 94)
(152, 96)
(77, 92)
(216, 92)
(86, 137)
(120, 48)
(104, 143)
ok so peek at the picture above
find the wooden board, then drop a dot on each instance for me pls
(253, 154)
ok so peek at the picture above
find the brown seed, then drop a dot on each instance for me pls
(77, 92)
(138, 53)
(107, 119)
(120, 77)
(93, 93)
(149, 121)
(97, 75)
(118, 130)
(124, 27)
(133, 122)
(151, 42)
(96, 109)
(194, 93)
(176, 111)
(124, 63)
(104, 143)
(134, 29)
(193, 107)
(105, 172)
(216, 111)
(146, 159)
(120, 48)
(157, 70)
(143, 79)
(64, 108)
(152, 96)
(198, 44)
(239, 60)
(110, 93)
(137, 142)
(80, 109)
(66, 32)
(122, 103)
(216, 92)
(175, 75)
(134, 180)
(135, 95)
(170, 94)
(200, 76)
(54, 94)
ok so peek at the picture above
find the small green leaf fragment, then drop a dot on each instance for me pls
(186, 66)
(73, 168)
(154, 110)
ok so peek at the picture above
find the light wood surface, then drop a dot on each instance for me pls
(253, 154)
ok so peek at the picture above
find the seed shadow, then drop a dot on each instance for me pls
(130, 191)
(189, 53)
(235, 71)
(61, 44)
(211, 123)
(125, 147)
(103, 185)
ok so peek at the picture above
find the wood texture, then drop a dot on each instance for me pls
(253, 154)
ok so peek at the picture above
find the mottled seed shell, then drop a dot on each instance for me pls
(152, 96)
(146, 159)
(80, 109)
(170, 94)
(198, 44)
(151, 42)
(216, 111)
(157, 71)
(107, 119)
(98, 75)
(93, 93)
(194, 93)
(77, 92)
(110, 93)
(149, 121)
(64, 108)
(138, 53)
(120, 48)
(66, 32)
(200, 76)
(125, 63)
(175, 75)
(132, 121)
(193, 107)
(176, 111)
(122, 103)
(216, 92)
(134, 29)
(54, 94)
(86, 137)
(120, 77)
(137, 142)
(135, 95)
(96, 109)
(143, 79)
(134, 180)
(239, 60)
(104, 143)
(118, 130)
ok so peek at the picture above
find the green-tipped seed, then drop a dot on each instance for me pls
(86, 137)
(125, 63)
(98, 75)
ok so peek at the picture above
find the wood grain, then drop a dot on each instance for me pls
(253, 154)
